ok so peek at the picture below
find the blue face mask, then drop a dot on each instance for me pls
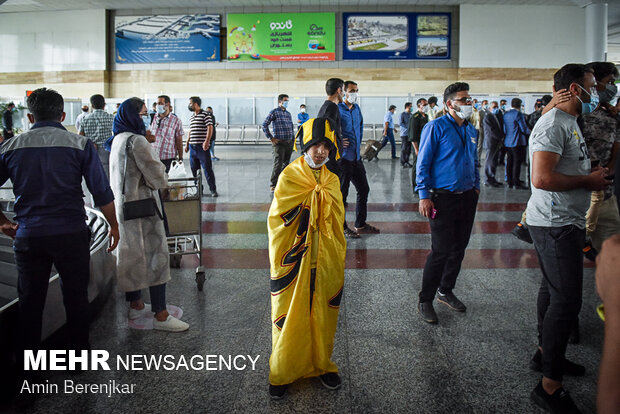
(588, 107)
(503, 107)
(285, 104)
(494, 111)
(147, 122)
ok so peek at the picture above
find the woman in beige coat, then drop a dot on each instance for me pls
(142, 254)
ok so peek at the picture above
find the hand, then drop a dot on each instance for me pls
(345, 143)
(206, 145)
(114, 237)
(607, 275)
(559, 97)
(597, 180)
(187, 147)
(426, 205)
(9, 229)
(274, 140)
(477, 191)
(149, 136)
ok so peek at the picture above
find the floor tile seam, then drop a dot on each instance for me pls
(347, 356)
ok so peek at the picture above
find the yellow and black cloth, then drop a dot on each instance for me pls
(314, 131)
(305, 220)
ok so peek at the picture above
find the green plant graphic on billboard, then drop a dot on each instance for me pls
(281, 36)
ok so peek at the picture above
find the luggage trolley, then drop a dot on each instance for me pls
(182, 203)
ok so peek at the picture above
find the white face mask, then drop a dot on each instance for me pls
(161, 109)
(311, 162)
(464, 111)
(303, 110)
(352, 97)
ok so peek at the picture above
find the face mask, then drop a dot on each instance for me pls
(352, 97)
(463, 112)
(161, 109)
(486, 107)
(311, 162)
(494, 111)
(147, 122)
(284, 104)
(190, 108)
(503, 107)
(609, 93)
(587, 107)
(424, 109)
(303, 110)
(477, 106)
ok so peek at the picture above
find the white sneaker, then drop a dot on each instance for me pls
(171, 324)
(139, 313)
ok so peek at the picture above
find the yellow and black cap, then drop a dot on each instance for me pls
(315, 130)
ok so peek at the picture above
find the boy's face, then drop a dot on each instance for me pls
(318, 152)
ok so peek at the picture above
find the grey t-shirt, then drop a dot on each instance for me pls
(558, 132)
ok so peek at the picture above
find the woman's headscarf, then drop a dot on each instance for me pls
(127, 119)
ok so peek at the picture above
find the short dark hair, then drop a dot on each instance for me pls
(516, 103)
(196, 100)
(97, 101)
(166, 98)
(332, 85)
(408, 104)
(502, 101)
(392, 107)
(419, 101)
(10, 104)
(452, 90)
(282, 96)
(570, 73)
(208, 107)
(603, 69)
(302, 105)
(347, 83)
(432, 100)
(154, 103)
(546, 99)
(46, 105)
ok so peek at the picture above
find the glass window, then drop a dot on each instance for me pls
(240, 110)
(264, 105)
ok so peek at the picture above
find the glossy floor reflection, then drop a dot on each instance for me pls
(390, 360)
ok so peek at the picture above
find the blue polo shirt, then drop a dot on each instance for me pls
(389, 118)
(448, 157)
(46, 166)
(352, 124)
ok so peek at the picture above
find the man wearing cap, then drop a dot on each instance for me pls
(80, 118)
(306, 251)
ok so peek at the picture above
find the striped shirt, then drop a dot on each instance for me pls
(198, 127)
(166, 131)
(282, 124)
(98, 126)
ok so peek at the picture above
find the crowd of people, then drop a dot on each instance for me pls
(572, 139)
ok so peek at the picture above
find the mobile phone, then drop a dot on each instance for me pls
(610, 177)
(433, 213)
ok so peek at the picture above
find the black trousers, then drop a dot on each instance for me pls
(559, 251)
(281, 157)
(490, 166)
(405, 149)
(515, 157)
(450, 232)
(354, 172)
(34, 256)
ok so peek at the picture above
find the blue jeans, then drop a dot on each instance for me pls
(390, 136)
(198, 157)
(158, 297)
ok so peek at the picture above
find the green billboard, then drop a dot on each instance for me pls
(281, 36)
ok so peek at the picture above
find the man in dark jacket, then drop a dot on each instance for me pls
(334, 88)
(494, 133)
(416, 123)
(7, 121)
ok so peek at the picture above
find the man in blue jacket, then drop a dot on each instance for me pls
(449, 183)
(516, 131)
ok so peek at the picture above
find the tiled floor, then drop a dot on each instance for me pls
(390, 361)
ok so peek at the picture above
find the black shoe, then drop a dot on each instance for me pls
(394, 157)
(350, 234)
(521, 187)
(452, 301)
(574, 337)
(331, 380)
(406, 165)
(427, 312)
(557, 403)
(589, 251)
(214, 194)
(521, 232)
(497, 184)
(570, 368)
(276, 392)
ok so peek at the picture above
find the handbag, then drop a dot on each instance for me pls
(132, 210)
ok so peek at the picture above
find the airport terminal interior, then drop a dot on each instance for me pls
(239, 56)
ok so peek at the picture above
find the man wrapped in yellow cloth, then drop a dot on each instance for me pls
(307, 250)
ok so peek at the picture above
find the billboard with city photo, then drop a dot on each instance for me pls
(397, 36)
(175, 38)
(281, 37)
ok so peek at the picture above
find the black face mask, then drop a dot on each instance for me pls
(190, 108)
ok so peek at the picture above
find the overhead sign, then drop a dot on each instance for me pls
(178, 38)
(397, 36)
(281, 36)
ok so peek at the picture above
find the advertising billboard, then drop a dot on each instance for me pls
(281, 37)
(159, 39)
(399, 36)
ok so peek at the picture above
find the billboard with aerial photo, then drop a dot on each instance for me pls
(400, 36)
(281, 37)
(158, 39)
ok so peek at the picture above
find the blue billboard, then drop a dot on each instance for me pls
(396, 36)
(161, 39)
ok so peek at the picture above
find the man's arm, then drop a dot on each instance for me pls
(266, 124)
(608, 287)
(425, 162)
(7, 226)
(207, 141)
(545, 177)
(558, 97)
